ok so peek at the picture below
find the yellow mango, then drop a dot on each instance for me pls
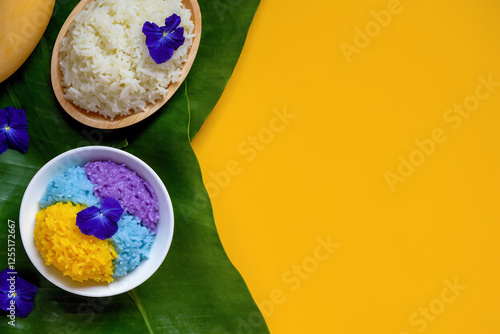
(22, 24)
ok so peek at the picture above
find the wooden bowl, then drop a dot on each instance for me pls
(97, 120)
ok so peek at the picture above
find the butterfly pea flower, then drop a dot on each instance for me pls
(100, 222)
(16, 294)
(163, 41)
(13, 130)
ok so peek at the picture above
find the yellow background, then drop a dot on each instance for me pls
(323, 175)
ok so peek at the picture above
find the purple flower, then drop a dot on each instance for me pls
(13, 130)
(163, 41)
(101, 223)
(16, 294)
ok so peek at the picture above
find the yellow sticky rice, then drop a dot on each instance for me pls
(62, 244)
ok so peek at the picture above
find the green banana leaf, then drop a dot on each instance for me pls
(197, 289)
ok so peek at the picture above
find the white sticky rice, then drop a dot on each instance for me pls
(104, 59)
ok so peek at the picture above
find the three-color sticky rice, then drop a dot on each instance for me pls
(85, 257)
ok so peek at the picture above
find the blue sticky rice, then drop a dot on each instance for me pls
(132, 243)
(72, 186)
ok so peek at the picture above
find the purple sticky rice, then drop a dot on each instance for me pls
(134, 193)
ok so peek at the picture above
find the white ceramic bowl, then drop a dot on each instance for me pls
(30, 206)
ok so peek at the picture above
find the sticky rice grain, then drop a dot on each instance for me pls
(134, 193)
(60, 242)
(132, 242)
(72, 186)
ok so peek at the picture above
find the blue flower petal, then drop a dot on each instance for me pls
(106, 229)
(111, 209)
(23, 307)
(25, 289)
(3, 141)
(4, 300)
(172, 22)
(3, 124)
(176, 38)
(88, 220)
(18, 139)
(162, 52)
(153, 34)
(17, 118)
(4, 116)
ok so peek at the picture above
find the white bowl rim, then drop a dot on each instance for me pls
(97, 289)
